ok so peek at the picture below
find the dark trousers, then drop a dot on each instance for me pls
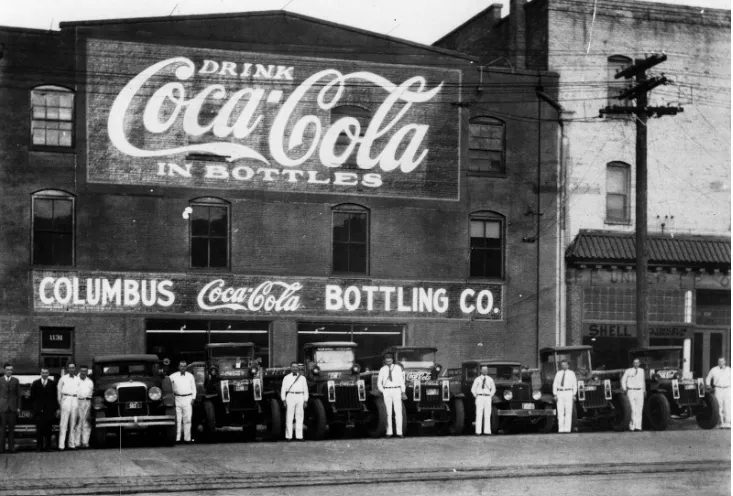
(7, 420)
(44, 430)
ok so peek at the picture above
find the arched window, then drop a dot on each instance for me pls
(617, 86)
(350, 239)
(618, 186)
(363, 116)
(487, 245)
(53, 228)
(486, 145)
(209, 233)
(52, 116)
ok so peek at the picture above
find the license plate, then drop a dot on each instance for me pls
(690, 386)
(134, 404)
(240, 387)
(527, 406)
(590, 388)
(25, 414)
(432, 392)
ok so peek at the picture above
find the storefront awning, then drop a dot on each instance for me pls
(605, 247)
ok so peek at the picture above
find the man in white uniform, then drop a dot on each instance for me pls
(391, 383)
(634, 385)
(67, 392)
(83, 427)
(564, 388)
(483, 390)
(184, 390)
(719, 378)
(294, 393)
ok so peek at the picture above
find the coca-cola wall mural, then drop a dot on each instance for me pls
(127, 292)
(193, 117)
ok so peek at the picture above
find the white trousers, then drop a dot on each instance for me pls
(294, 411)
(636, 398)
(723, 397)
(82, 426)
(69, 406)
(565, 411)
(184, 409)
(483, 414)
(393, 402)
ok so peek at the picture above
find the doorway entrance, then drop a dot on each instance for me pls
(709, 345)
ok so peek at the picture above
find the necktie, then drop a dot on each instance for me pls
(636, 371)
(483, 384)
(390, 373)
(562, 381)
(44, 383)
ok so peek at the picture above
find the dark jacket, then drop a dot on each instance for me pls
(44, 398)
(9, 394)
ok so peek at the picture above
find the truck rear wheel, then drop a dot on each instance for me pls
(709, 415)
(275, 422)
(622, 413)
(457, 418)
(316, 419)
(377, 425)
(547, 424)
(657, 412)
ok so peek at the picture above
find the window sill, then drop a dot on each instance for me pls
(210, 269)
(490, 280)
(501, 175)
(52, 149)
(350, 275)
(37, 266)
(612, 222)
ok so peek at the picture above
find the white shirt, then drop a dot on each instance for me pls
(294, 384)
(183, 384)
(86, 388)
(68, 385)
(479, 388)
(398, 378)
(570, 383)
(633, 379)
(718, 377)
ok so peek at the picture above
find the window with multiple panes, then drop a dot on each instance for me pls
(487, 245)
(52, 116)
(617, 193)
(350, 239)
(209, 228)
(617, 86)
(53, 228)
(619, 304)
(486, 145)
(363, 117)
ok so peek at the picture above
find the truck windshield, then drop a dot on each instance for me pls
(231, 351)
(506, 372)
(416, 358)
(657, 359)
(334, 358)
(233, 365)
(125, 369)
(578, 360)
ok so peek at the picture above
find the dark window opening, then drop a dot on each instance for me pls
(486, 145)
(53, 229)
(350, 240)
(209, 236)
(487, 247)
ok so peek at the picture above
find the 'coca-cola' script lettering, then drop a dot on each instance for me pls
(268, 296)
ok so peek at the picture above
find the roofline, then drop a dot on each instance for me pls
(473, 18)
(349, 344)
(123, 357)
(54, 32)
(221, 345)
(493, 362)
(623, 234)
(258, 13)
(567, 348)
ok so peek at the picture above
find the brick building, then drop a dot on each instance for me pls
(268, 177)
(689, 207)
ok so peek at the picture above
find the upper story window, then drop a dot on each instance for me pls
(209, 230)
(53, 228)
(486, 145)
(616, 86)
(618, 193)
(487, 245)
(52, 121)
(363, 117)
(350, 239)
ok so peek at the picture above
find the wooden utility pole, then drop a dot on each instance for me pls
(642, 111)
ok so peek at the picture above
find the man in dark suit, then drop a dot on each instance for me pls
(45, 404)
(9, 407)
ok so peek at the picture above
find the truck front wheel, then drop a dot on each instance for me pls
(657, 412)
(275, 422)
(622, 413)
(457, 418)
(709, 415)
(99, 433)
(316, 419)
(546, 424)
(209, 418)
(377, 425)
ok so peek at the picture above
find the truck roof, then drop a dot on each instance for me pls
(560, 349)
(491, 362)
(392, 349)
(224, 345)
(126, 358)
(654, 348)
(331, 344)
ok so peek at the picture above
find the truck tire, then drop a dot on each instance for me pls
(657, 412)
(377, 425)
(99, 434)
(275, 421)
(209, 418)
(622, 413)
(547, 424)
(574, 427)
(495, 421)
(404, 417)
(316, 417)
(457, 418)
(709, 415)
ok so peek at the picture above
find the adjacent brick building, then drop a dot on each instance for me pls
(273, 178)
(586, 43)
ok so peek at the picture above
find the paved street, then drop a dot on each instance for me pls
(688, 461)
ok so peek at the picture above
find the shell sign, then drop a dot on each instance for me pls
(193, 117)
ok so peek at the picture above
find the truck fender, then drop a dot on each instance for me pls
(376, 393)
(459, 395)
(548, 398)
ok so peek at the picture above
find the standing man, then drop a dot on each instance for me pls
(184, 389)
(483, 390)
(391, 383)
(45, 404)
(9, 407)
(83, 427)
(634, 385)
(564, 387)
(67, 392)
(719, 378)
(294, 393)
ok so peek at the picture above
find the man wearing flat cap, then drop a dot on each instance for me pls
(391, 383)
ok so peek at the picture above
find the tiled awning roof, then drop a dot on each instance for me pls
(606, 247)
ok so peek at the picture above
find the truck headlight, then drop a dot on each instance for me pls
(536, 395)
(253, 370)
(154, 393)
(316, 370)
(356, 368)
(508, 395)
(110, 395)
